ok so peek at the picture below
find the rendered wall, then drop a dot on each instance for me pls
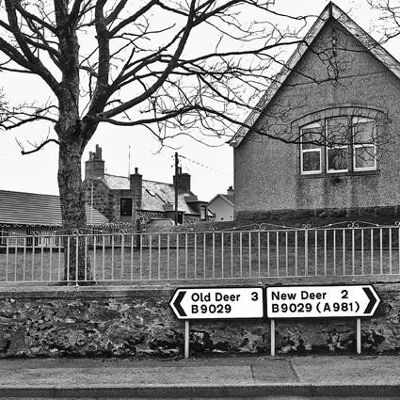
(267, 172)
(222, 210)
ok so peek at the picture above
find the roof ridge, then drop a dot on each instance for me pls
(144, 180)
(164, 183)
(117, 176)
(224, 196)
(30, 193)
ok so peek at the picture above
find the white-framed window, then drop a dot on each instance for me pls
(3, 235)
(310, 149)
(203, 213)
(337, 144)
(364, 147)
(349, 144)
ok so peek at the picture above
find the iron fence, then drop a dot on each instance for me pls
(266, 252)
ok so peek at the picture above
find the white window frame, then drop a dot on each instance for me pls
(3, 234)
(334, 171)
(354, 121)
(203, 213)
(314, 150)
(346, 147)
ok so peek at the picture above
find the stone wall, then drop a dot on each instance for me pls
(124, 322)
(321, 217)
(99, 197)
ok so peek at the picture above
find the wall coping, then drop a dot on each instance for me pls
(101, 292)
(79, 292)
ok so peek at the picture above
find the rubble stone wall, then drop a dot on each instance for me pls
(123, 322)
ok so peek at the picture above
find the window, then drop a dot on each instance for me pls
(3, 236)
(338, 144)
(310, 137)
(364, 149)
(126, 207)
(337, 140)
(203, 213)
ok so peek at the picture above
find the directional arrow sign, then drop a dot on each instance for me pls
(218, 303)
(321, 301)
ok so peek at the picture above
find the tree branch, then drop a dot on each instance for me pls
(171, 65)
(33, 62)
(37, 147)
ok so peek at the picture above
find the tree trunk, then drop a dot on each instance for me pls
(72, 202)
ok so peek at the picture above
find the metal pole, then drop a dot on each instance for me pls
(186, 338)
(91, 204)
(272, 337)
(358, 335)
(129, 161)
(176, 187)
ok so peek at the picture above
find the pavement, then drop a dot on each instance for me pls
(337, 376)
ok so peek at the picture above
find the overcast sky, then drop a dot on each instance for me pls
(211, 168)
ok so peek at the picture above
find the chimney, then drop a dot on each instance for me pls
(183, 181)
(136, 189)
(230, 191)
(94, 167)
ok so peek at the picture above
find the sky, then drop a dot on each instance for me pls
(211, 168)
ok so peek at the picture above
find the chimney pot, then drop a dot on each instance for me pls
(230, 191)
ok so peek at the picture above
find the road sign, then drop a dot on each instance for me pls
(218, 303)
(321, 301)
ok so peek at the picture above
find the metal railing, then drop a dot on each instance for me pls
(332, 251)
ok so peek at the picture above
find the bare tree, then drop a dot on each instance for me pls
(136, 63)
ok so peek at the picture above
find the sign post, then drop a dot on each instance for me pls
(187, 329)
(272, 337)
(356, 301)
(216, 304)
(358, 335)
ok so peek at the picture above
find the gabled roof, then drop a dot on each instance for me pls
(156, 196)
(330, 11)
(19, 208)
(228, 198)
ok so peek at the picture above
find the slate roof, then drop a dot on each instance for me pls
(229, 197)
(156, 196)
(19, 208)
(330, 11)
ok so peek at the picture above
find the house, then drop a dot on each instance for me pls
(222, 205)
(337, 101)
(132, 200)
(39, 214)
